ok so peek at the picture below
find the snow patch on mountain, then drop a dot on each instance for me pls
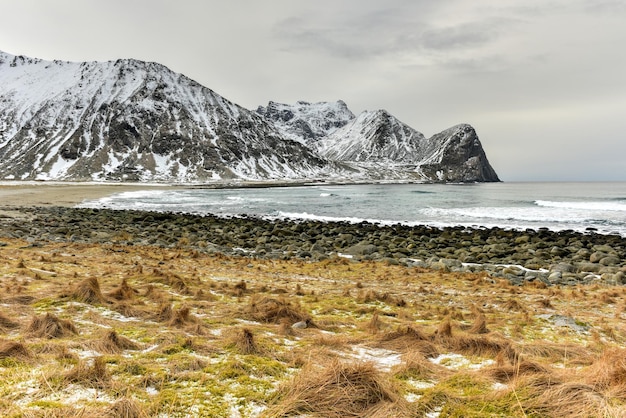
(307, 122)
(374, 137)
(132, 120)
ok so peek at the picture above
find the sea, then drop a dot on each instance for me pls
(590, 207)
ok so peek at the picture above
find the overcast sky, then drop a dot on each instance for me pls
(543, 82)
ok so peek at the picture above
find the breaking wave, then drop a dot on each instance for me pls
(590, 205)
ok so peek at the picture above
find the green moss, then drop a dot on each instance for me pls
(43, 305)
(10, 362)
(178, 402)
(43, 404)
(133, 368)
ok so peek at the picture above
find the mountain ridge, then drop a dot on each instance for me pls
(130, 120)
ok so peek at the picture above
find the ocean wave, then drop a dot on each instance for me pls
(589, 205)
(538, 214)
(324, 218)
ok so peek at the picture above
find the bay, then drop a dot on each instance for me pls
(593, 206)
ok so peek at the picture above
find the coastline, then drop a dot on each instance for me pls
(62, 194)
(562, 257)
(69, 194)
(551, 257)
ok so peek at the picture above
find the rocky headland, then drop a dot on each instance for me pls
(554, 258)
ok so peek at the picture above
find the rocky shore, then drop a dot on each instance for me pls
(565, 257)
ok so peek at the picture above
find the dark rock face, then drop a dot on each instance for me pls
(462, 158)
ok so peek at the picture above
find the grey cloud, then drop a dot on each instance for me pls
(605, 6)
(405, 38)
(461, 36)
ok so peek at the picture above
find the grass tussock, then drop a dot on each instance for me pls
(128, 310)
(13, 349)
(7, 323)
(476, 345)
(113, 343)
(608, 372)
(510, 372)
(374, 325)
(88, 291)
(127, 408)
(564, 353)
(50, 326)
(337, 390)
(244, 341)
(569, 399)
(181, 317)
(273, 310)
(93, 375)
(165, 313)
(123, 292)
(479, 326)
(19, 300)
(416, 365)
(404, 336)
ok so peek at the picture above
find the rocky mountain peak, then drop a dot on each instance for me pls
(458, 157)
(307, 122)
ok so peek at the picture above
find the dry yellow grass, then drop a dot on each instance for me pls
(138, 331)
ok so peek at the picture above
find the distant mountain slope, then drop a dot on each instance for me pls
(385, 147)
(130, 120)
(374, 137)
(307, 122)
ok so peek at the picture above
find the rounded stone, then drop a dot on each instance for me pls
(597, 256)
(610, 261)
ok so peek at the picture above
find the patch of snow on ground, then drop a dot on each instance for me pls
(435, 413)
(26, 388)
(420, 384)
(412, 397)
(87, 354)
(151, 348)
(76, 394)
(499, 386)
(383, 359)
(454, 361)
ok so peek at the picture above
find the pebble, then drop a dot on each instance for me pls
(564, 257)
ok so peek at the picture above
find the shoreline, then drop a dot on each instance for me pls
(16, 193)
(62, 194)
(551, 257)
(69, 194)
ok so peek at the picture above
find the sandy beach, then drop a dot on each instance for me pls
(62, 194)
(68, 194)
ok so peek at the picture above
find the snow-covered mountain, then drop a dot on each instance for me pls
(133, 120)
(307, 122)
(139, 121)
(375, 137)
(377, 145)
